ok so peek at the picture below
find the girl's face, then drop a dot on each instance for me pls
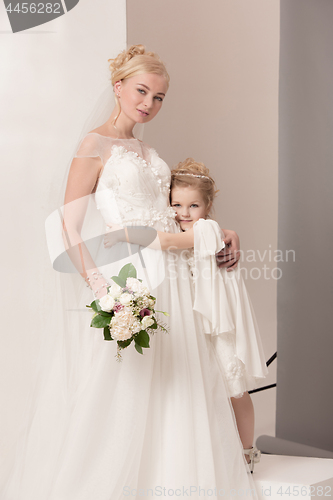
(189, 205)
(141, 96)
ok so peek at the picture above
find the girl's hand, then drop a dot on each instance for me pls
(230, 255)
(113, 235)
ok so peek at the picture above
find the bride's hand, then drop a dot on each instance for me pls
(113, 235)
(229, 256)
(98, 284)
(99, 293)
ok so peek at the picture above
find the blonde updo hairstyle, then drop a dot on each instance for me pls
(135, 61)
(190, 173)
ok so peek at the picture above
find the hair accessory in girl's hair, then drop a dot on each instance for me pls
(176, 174)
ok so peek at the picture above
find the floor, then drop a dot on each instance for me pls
(285, 477)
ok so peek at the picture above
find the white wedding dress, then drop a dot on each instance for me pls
(155, 425)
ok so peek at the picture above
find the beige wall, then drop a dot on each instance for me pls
(222, 109)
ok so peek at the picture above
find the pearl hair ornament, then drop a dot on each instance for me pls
(180, 174)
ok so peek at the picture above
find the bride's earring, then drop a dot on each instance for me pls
(116, 89)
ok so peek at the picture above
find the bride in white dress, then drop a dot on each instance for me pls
(154, 425)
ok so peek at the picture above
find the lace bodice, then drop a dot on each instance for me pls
(134, 186)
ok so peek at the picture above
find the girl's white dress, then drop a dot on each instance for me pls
(221, 299)
(155, 425)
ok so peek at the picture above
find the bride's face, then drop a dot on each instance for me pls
(141, 96)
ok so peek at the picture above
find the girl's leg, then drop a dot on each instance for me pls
(244, 414)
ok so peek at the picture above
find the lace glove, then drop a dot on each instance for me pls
(96, 281)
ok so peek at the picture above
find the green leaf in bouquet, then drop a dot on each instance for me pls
(142, 338)
(106, 314)
(124, 343)
(100, 321)
(119, 281)
(94, 306)
(128, 271)
(107, 335)
(138, 348)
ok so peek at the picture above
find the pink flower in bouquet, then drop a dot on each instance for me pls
(118, 307)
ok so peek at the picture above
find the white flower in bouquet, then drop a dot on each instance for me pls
(144, 302)
(146, 322)
(125, 298)
(124, 325)
(137, 287)
(115, 291)
(151, 303)
(107, 302)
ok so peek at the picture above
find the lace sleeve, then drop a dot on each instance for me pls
(90, 147)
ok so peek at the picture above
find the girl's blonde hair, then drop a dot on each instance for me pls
(135, 61)
(196, 175)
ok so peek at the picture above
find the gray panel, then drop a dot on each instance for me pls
(70, 4)
(278, 446)
(305, 293)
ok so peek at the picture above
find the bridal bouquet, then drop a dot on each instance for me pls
(127, 312)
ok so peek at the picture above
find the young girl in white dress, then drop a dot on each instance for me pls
(220, 297)
(158, 424)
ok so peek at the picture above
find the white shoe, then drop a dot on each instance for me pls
(254, 455)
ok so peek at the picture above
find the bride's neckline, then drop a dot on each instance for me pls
(116, 138)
